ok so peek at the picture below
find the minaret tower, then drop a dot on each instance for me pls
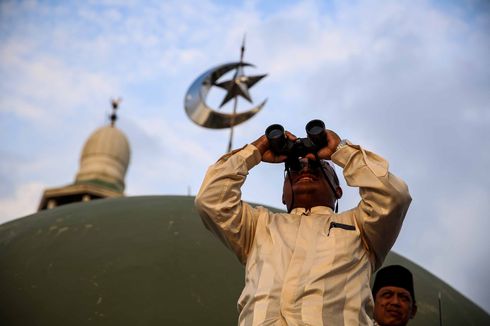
(103, 165)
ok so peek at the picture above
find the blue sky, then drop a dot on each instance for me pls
(409, 80)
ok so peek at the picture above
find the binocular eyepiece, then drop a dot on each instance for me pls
(281, 145)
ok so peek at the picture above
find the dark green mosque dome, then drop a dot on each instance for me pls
(146, 261)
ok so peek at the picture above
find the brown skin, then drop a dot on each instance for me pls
(309, 185)
(393, 306)
(310, 188)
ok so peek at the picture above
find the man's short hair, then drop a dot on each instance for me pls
(394, 275)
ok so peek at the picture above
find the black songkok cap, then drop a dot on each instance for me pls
(394, 275)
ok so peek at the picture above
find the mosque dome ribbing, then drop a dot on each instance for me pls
(105, 158)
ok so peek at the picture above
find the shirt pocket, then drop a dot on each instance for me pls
(338, 229)
(345, 240)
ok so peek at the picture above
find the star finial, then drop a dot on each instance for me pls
(240, 84)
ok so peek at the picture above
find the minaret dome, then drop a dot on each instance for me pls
(105, 159)
(103, 165)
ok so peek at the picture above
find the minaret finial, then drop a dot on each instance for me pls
(115, 105)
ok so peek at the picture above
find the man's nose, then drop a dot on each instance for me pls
(395, 300)
(304, 163)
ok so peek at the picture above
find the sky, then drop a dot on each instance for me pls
(409, 80)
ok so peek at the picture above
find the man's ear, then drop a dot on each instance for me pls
(414, 310)
(338, 193)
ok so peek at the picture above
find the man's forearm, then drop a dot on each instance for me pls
(219, 199)
(384, 197)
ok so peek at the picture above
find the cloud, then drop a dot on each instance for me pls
(455, 226)
(170, 159)
(44, 89)
(21, 202)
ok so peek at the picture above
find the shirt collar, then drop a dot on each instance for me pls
(313, 210)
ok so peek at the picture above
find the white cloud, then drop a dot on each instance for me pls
(44, 88)
(23, 201)
(454, 232)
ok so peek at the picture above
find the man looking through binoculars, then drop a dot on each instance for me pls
(312, 265)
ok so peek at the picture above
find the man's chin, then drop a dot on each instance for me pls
(392, 319)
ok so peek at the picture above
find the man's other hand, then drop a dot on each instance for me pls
(326, 152)
(267, 155)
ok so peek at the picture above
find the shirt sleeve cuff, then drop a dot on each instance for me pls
(343, 154)
(251, 155)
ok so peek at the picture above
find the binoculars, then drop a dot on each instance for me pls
(281, 145)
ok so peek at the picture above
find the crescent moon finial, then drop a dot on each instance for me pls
(195, 99)
(201, 113)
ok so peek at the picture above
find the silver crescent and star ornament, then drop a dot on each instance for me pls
(203, 115)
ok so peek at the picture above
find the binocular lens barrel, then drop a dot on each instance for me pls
(315, 129)
(274, 132)
(275, 135)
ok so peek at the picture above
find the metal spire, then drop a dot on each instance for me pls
(242, 49)
(239, 85)
(238, 73)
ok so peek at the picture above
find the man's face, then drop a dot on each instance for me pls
(393, 306)
(309, 186)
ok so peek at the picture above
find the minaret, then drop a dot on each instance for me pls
(103, 165)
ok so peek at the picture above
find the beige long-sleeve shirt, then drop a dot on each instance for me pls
(306, 267)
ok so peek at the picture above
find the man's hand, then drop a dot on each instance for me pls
(326, 152)
(267, 155)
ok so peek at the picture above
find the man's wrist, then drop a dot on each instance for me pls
(261, 145)
(342, 144)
